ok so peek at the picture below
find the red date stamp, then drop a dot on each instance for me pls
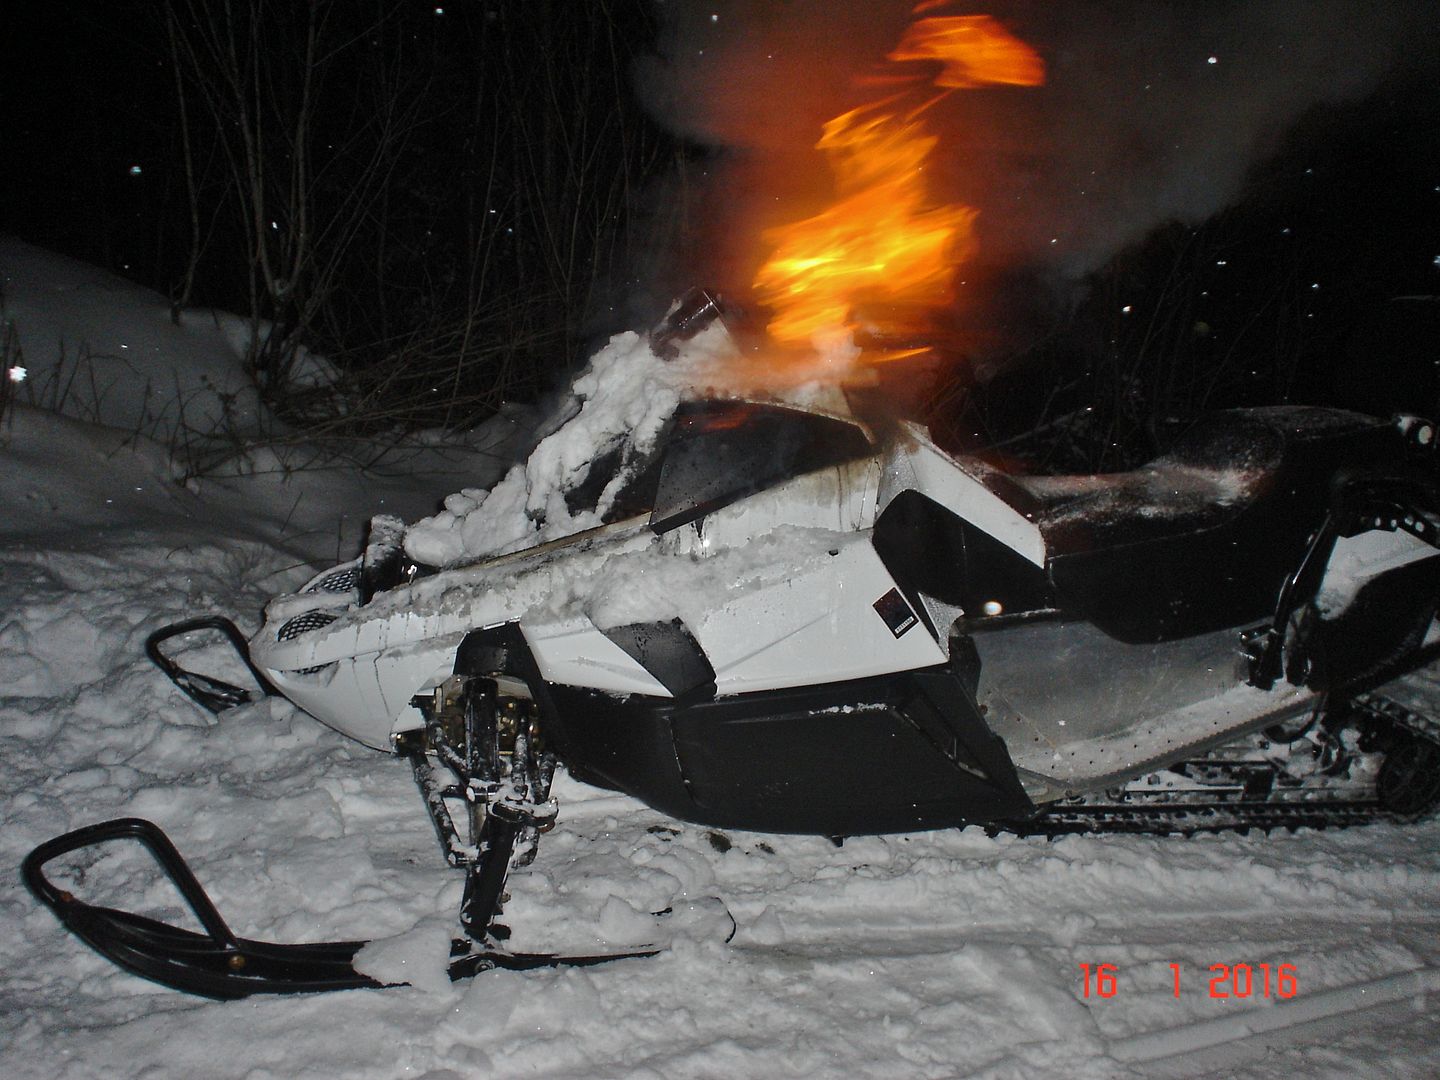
(1226, 980)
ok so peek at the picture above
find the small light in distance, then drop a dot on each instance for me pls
(992, 607)
(17, 374)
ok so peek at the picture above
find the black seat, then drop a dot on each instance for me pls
(1218, 468)
(1203, 538)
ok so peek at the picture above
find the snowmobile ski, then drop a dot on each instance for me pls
(507, 820)
(218, 964)
(215, 963)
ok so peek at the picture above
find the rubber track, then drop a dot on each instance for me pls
(1190, 818)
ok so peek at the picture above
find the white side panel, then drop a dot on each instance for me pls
(800, 630)
(806, 629)
(917, 463)
(403, 671)
(1358, 559)
(577, 654)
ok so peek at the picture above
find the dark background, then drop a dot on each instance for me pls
(487, 196)
(1318, 286)
(475, 183)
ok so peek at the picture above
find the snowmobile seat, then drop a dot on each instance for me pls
(1210, 476)
(1204, 537)
(1199, 540)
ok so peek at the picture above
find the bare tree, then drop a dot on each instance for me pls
(258, 71)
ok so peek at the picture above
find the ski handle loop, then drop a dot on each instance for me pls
(68, 908)
(212, 694)
(215, 964)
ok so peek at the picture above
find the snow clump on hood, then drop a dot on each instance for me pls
(620, 402)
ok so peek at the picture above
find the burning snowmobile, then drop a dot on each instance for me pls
(783, 618)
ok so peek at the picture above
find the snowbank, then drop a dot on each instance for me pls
(618, 405)
(105, 350)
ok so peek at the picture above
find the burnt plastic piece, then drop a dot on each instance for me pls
(694, 311)
(215, 964)
(212, 694)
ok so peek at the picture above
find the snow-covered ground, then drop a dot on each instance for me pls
(938, 955)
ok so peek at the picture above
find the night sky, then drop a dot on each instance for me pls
(1269, 239)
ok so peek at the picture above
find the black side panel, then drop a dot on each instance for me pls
(667, 651)
(887, 754)
(929, 549)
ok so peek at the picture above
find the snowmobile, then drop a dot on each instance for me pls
(850, 630)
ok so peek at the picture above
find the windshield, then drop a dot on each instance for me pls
(721, 451)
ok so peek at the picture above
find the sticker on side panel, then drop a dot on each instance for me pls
(896, 612)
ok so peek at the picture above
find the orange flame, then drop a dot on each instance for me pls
(976, 51)
(882, 241)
